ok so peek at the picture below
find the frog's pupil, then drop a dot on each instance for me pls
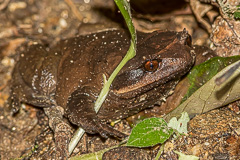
(151, 65)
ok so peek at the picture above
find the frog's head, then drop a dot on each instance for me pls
(161, 57)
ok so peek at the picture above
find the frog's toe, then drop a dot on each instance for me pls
(14, 103)
(106, 130)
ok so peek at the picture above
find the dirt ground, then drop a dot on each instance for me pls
(26, 135)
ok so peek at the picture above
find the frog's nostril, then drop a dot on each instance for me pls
(188, 41)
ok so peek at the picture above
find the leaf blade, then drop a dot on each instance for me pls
(149, 132)
(210, 96)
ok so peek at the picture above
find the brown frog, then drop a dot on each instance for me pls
(70, 76)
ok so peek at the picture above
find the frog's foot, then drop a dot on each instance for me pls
(80, 111)
(91, 124)
(62, 131)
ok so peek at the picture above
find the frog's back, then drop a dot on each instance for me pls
(85, 60)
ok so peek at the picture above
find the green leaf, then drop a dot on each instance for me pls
(237, 15)
(124, 8)
(202, 73)
(181, 124)
(211, 96)
(149, 132)
(186, 157)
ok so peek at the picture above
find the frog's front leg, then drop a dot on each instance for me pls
(62, 131)
(80, 111)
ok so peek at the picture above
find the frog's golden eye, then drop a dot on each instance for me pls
(151, 65)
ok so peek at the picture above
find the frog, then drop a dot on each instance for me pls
(66, 79)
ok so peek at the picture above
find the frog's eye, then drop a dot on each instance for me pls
(188, 41)
(151, 65)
